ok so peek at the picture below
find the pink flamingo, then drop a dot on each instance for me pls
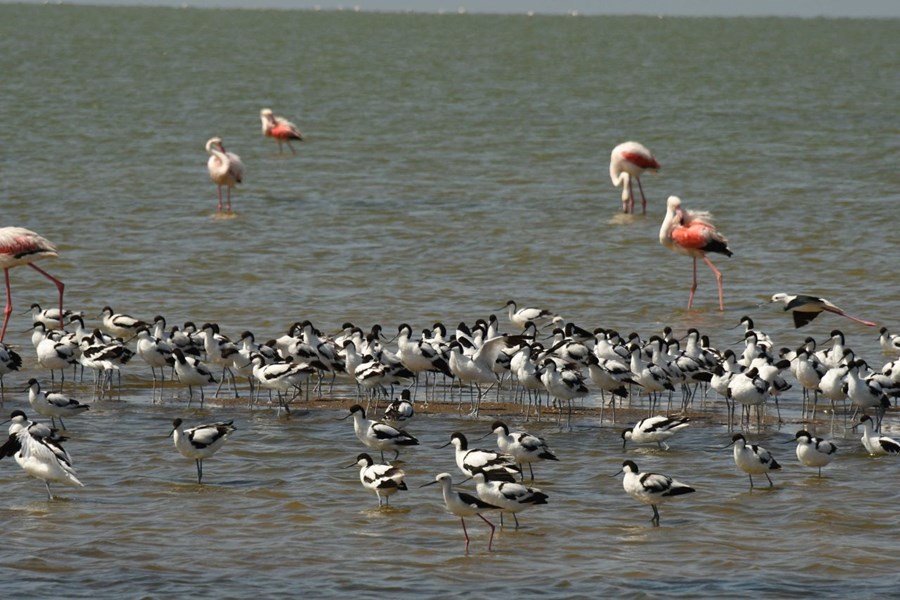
(627, 161)
(692, 233)
(20, 246)
(279, 128)
(225, 169)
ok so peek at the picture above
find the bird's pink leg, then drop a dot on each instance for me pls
(465, 533)
(693, 286)
(851, 317)
(219, 189)
(9, 307)
(718, 281)
(59, 285)
(643, 199)
(490, 541)
(228, 204)
(630, 197)
(294, 152)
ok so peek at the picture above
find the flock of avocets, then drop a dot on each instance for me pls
(564, 366)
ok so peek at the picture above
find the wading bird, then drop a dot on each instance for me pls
(650, 488)
(626, 164)
(225, 170)
(201, 441)
(20, 246)
(279, 129)
(692, 233)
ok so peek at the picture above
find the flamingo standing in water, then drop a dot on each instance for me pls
(20, 246)
(692, 233)
(225, 169)
(279, 128)
(626, 163)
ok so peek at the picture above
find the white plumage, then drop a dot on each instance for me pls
(201, 441)
(651, 488)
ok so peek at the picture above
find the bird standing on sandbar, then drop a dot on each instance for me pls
(626, 164)
(692, 233)
(20, 246)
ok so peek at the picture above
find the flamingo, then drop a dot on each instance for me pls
(279, 128)
(806, 308)
(628, 161)
(20, 246)
(225, 169)
(692, 233)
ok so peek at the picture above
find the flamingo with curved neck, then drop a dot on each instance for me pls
(225, 170)
(626, 164)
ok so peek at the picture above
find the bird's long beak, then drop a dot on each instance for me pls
(350, 465)
(617, 473)
(788, 441)
(481, 438)
(429, 483)
(345, 417)
(444, 446)
(466, 479)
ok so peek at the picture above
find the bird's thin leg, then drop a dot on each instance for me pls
(228, 203)
(693, 286)
(199, 470)
(465, 533)
(294, 152)
(851, 317)
(630, 197)
(718, 280)
(219, 207)
(491, 540)
(770, 480)
(59, 285)
(49, 493)
(643, 199)
(655, 519)
(9, 308)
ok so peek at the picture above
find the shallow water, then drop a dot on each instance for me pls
(451, 163)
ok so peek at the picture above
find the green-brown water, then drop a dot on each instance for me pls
(451, 163)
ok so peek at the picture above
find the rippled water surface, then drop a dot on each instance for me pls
(450, 164)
